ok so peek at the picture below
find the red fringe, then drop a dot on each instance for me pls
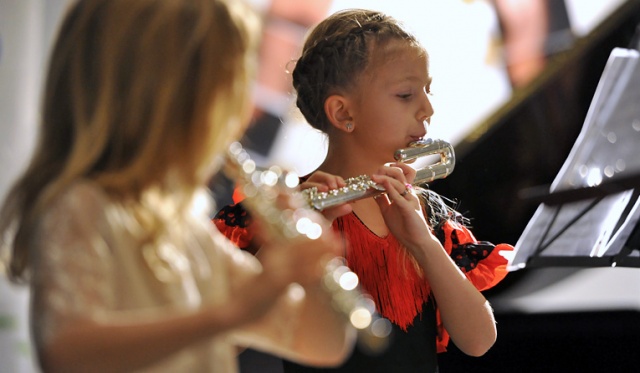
(386, 271)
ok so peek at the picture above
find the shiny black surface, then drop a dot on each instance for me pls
(526, 141)
(523, 146)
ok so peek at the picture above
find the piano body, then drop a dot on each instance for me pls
(556, 312)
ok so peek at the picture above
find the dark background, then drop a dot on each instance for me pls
(524, 146)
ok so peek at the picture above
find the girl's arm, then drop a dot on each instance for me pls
(466, 313)
(261, 301)
(85, 345)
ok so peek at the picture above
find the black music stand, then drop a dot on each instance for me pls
(589, 216)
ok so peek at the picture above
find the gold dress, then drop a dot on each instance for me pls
(91, 262)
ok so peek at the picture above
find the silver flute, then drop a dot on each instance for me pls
(362, 186)
(261, 188)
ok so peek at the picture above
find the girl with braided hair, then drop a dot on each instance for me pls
(364, 81)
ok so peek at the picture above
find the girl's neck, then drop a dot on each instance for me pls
(349, 162)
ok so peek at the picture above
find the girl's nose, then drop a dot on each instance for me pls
(428, 107)
(425, 113)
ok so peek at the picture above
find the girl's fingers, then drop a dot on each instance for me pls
(323, 181)
(393, 187)
(408, 171)
(393, 178)
(335, 212)
(408, 189)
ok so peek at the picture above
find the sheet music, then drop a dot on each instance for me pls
(622, 235)
(608, 142)
(606, 148)
(564, 231)
(609, 222)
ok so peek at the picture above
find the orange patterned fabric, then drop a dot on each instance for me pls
(234, 221)
(480, 261)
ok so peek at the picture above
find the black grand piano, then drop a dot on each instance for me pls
(504, 170)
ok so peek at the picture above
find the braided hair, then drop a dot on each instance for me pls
(336, 53)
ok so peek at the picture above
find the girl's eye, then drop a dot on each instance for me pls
(405, 95)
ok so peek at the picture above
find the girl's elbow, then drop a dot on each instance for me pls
(480, 346)
(479, 350)
(342, 351)
(329, 354)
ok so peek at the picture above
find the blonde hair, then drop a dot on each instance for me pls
(140, 94)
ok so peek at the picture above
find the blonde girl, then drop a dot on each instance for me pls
(141, 98)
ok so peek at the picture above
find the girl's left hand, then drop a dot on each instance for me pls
(324, 182)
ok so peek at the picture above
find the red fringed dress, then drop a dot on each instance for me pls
(388, 273)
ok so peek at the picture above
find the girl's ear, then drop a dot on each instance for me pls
(337, 109)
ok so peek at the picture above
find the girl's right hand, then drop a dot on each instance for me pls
(285, 260)
(301, 259)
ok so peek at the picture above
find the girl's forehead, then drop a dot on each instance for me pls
(397, 51)
(393, 62)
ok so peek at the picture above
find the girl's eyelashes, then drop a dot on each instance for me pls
(407, 96)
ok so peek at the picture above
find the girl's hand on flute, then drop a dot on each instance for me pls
(324, 182)
(400, 207)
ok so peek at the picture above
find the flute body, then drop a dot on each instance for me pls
(362, 186)
(261, 188)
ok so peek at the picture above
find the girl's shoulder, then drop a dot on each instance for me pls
(82, 195)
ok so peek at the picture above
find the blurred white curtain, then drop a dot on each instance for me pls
(27, 28)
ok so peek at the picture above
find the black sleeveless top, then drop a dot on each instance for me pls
(410, 351)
